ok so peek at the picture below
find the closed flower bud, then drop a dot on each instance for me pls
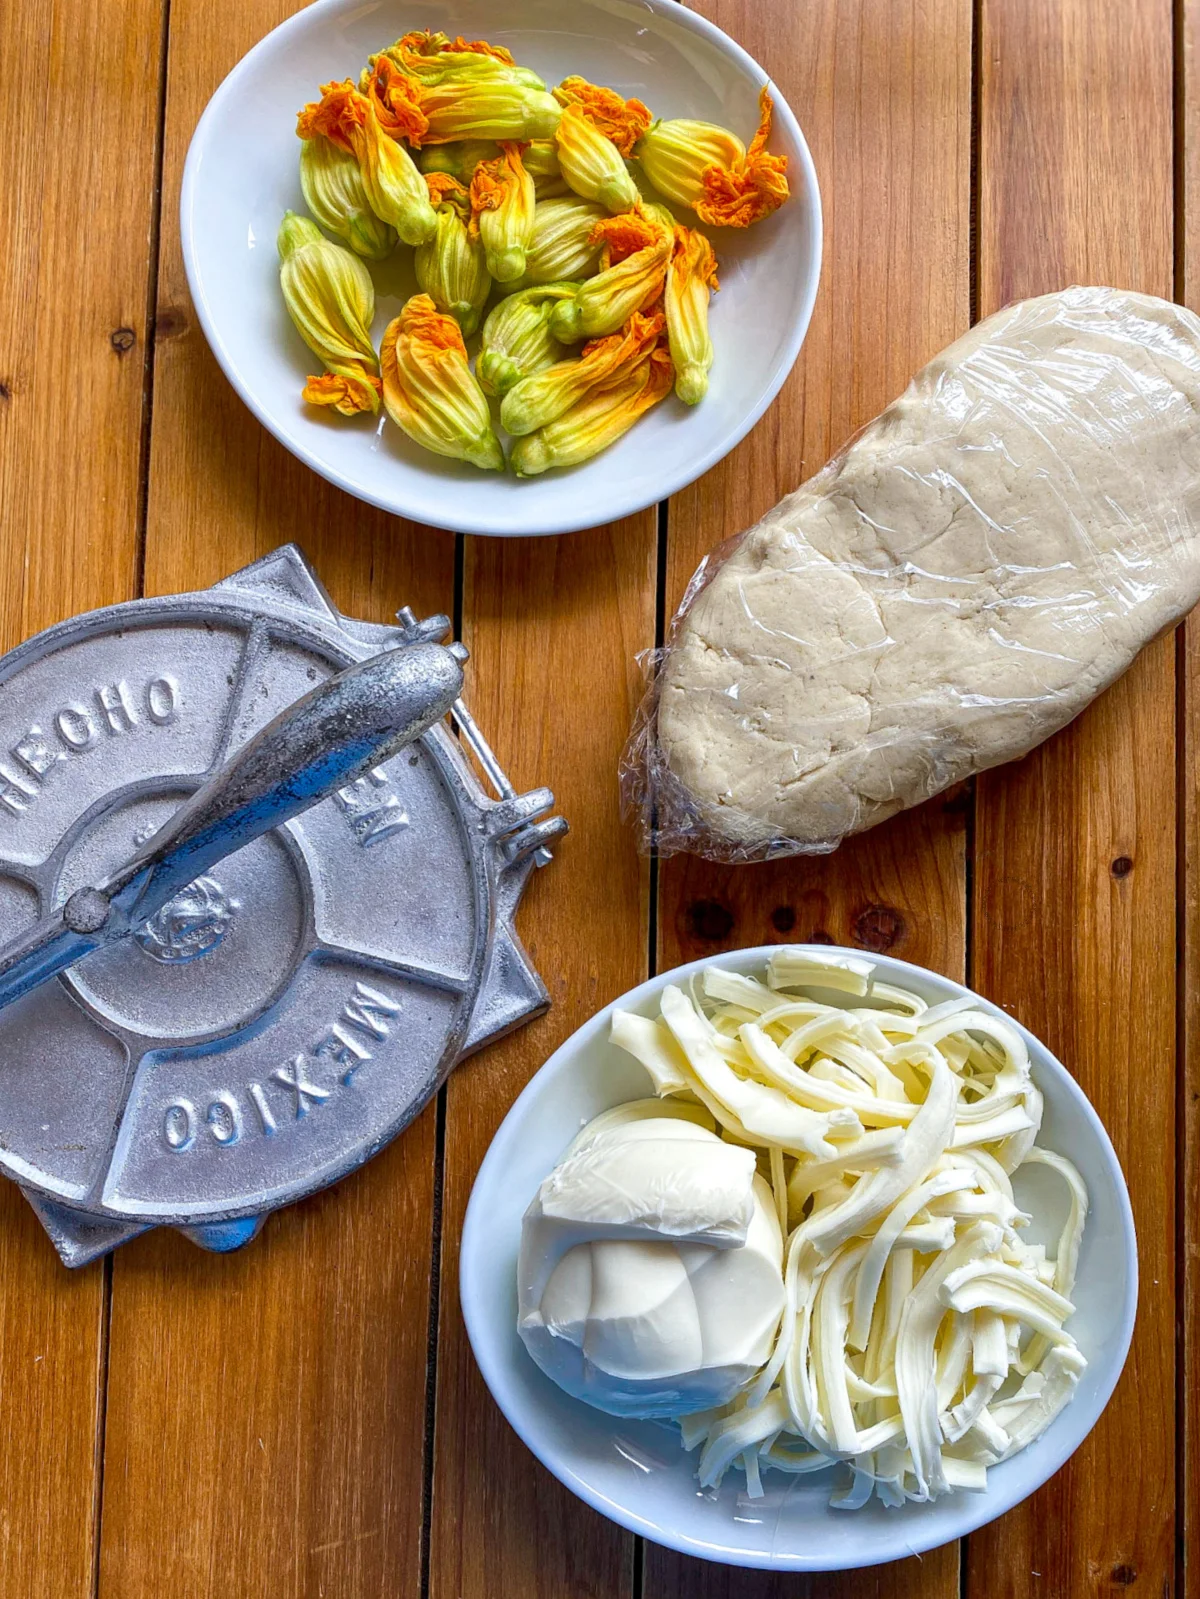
(331, 300)
(539, 399)
(429, 390)
(457, 159)
(592, 164)
(597, 421)
(450, 267)
(516, 337)
(502, 203)
(334, 193)
(637, 248)
(434, 57)
(562, 246)
(488, 107)
(691, 278)
(708, 168)
(619, 120)
(395, 190)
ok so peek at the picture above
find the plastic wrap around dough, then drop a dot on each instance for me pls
(982, 560)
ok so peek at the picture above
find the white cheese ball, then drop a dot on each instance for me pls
(650, 1274)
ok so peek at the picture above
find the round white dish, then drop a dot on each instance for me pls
(636, 1472)
(242, 173)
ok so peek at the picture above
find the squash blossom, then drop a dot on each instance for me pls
(516, 337)
(541, 162)
(619, 120)
(459, 158)
(592, 164)
(331, 300)
(597, 421)
(489, 107)
(502, 206)
(395, 190)
(450, 267)
(637, 250)
(434, 57)
(691, 278)
(562, 246)
(334, 193)
(429, 390)
(539, 399)
(708, 168)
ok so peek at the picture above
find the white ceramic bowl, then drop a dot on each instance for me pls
(636, 1472)
(242, 173)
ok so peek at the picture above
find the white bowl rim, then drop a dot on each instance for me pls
(673, 482)
(976, 1509)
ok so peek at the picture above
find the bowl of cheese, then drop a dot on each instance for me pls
(800, 1259)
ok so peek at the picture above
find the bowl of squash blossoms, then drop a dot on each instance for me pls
(509, 268)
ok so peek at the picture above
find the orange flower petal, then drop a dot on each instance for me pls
(622, 121)
(397, 100)
(623, 236)
(749, 190)
(443, 186)
(344, 394)
(425, 43)
(336, 115)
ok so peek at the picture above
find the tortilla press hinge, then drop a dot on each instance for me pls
(258, 902)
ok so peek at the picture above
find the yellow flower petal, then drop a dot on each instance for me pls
(638, 248)
(502, 202)
(331, 301)
(451, 267)
(539, 399)
(592, 164)
(516, 339)
(429, 390)
(335, 194)
(434, 58)
(597, 421)
(562, 246)
(394, 188)
(691, 278)
(707, 167)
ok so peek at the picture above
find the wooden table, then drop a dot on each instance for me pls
(305, 1419)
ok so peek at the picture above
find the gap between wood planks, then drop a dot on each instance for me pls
(149, 346)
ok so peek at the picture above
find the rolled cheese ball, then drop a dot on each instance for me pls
(986, 556)
(650, 1280)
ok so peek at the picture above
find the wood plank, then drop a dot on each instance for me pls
(553, 626)
(73, 298)
(1074, 903)
(883, 93)
(1188, 666)
(267, 1410)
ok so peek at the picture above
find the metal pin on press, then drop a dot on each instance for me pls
(256, 902)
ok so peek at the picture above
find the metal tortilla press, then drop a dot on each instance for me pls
(256, 903)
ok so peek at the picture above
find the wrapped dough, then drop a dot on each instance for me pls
(982, 560)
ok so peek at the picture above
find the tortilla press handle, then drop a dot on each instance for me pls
(334, 734)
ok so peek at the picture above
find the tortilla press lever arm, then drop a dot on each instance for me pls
(340, 730)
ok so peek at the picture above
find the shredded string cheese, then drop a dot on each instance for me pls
(922, 1340)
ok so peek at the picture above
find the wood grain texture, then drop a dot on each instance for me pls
(553, 626)
(883, 93)
(73, 299)
(266, 1412)
(1074, 925)
(1187, 1488)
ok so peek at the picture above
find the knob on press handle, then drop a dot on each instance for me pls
(334, 734)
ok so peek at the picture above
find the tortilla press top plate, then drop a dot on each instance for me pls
(287, 1013)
